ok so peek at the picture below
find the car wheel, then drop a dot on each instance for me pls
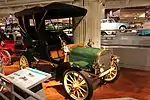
(140, 35)
(113, 75)
(103, 33)
(122, 29)
(23, 62)
(5, 56)
(78, 85)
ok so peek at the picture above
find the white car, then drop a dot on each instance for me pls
(111, 24)
(68, 32)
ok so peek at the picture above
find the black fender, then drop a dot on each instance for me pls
(29, 54)
(122, 26)
(63, 67)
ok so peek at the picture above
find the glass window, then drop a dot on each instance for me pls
(110, 21)
(57, 24)
(104, 21)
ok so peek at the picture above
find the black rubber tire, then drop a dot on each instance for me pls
(140, 35)
(103, 33)
(124, 28)
(88, 81)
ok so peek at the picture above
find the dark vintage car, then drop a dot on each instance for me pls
(74, 64)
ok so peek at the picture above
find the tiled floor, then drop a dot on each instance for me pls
(132, 83)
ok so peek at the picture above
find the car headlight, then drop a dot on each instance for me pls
(118, 60)
(115, 58)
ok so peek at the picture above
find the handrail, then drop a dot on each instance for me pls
(34, 95)
(122, 29)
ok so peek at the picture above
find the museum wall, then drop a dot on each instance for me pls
(136, 58)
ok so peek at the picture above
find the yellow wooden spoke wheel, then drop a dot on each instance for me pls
(23, 63)
(77, 85)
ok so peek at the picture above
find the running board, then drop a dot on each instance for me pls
(37, 60)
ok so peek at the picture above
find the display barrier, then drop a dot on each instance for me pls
(125, 29)
(131, 41)
(132, 57)
(108, 37)
(112, 34)
(26, 81)
(119, 30)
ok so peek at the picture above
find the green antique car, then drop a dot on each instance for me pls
(74, 65)
(98, 62)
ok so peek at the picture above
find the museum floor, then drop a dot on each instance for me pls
(132, 83)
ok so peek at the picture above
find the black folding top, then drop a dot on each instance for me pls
(29, 11)
(54, 10)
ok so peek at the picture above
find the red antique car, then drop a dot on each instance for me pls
(11, 44)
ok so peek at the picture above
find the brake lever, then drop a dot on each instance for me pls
(64, 46)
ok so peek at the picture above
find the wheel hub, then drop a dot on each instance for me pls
(75, 85)
(112, 74)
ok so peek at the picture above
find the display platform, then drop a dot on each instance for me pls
(25, 84)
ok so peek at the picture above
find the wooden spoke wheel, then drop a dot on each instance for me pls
(5, 56)
(77, 85)
(23, 63)
(114, 74)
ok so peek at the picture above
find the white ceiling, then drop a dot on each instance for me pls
(15, 3)
(126, 3)
(109, 3)
(10, 6)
